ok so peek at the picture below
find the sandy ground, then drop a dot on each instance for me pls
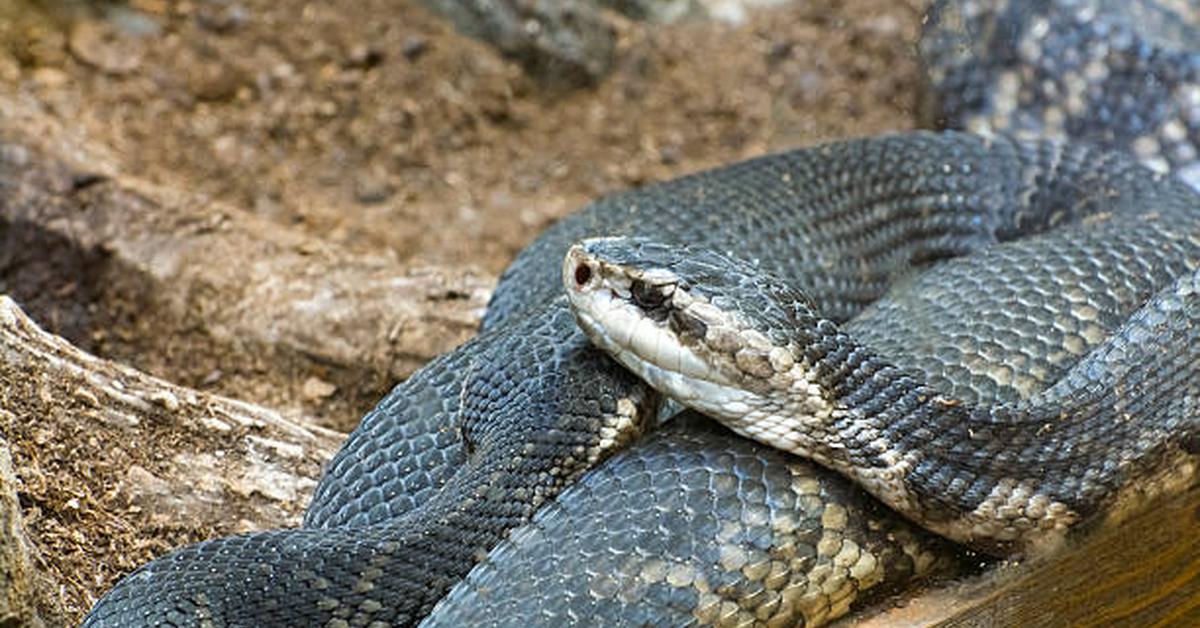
(381, 131)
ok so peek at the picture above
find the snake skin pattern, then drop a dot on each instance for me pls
(1089, 333)
(772, 540)
(1121, 74)
(464, 453)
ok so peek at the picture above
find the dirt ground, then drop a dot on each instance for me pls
(379, 130)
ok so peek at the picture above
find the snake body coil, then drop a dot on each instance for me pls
(471, 446)
(998, 399)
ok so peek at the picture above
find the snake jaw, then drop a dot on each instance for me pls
(678, 340)
(644, 319)
(630, 301)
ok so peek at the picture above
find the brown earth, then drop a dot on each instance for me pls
(377, 133)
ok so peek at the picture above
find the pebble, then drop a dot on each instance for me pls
(364, 56)
(99, 45)
(369, 189)
(414, 47)
(315, 388)
(221, 18)
(213, 81)
(50, 77)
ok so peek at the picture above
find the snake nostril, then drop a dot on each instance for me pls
(583, 273)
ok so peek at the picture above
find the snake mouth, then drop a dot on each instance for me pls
(630, 310)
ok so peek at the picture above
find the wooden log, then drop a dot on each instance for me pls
(140, 271)
(1143, 572)
(117, 466)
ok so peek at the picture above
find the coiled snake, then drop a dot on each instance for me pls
(690, 525)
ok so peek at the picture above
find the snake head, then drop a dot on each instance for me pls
(706, 328)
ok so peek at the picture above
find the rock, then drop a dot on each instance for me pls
(414, 47)
(50, 77)
(221, 17)
(366, 57)
(371, 189)
(213, 81)
(103, 46)
(652, 10)
(732, 11)
(570, 43)
(135, 23)
(315, 388)
(562, 43)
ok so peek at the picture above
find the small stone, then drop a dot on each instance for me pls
(212, 377)
(669, 155)
(14, 155)
(133, 23)
(315, 388)
(369, 190)
(213, 81)
(364, 56)
(414, 47)
(221, 18)
(101, 46)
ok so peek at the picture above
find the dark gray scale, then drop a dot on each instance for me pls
(418, 502)
(1009, 322)
(695, 526)
(1122, 74)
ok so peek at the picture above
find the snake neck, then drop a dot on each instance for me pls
(1003, 478)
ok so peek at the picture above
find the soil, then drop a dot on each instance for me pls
(380, 130)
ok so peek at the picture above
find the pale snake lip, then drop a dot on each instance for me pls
(600, 295)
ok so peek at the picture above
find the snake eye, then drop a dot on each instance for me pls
(583, 273)
(646, 296)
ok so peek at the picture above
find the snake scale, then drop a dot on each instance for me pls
(509, 483)
(995, 428)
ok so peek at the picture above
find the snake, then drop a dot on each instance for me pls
(1106, 409)
(487, 481)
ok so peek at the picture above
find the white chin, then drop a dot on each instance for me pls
(654, 354)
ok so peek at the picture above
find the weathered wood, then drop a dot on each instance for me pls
(240, 293)
(24, 599)
(108, 456)
(1143, 572)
